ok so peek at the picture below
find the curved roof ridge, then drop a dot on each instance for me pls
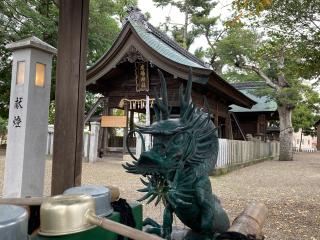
(138, 17)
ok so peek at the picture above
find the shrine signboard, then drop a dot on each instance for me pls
(114, 121)
(142, 77)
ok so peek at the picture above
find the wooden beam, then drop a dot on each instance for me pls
(125, 130)
(70, 94)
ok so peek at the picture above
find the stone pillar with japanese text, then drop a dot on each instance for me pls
(28, 117)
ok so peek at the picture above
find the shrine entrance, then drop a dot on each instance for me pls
(127, 76)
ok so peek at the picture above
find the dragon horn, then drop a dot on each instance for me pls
(206, 104)
(185, 96)
(155, 106)
(163, 104)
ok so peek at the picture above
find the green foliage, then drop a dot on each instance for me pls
(20, 19)
(238, 43)
(104, 19)
(269, 59)
(186, 33)
(52, 112)
(306, 111)
(178, 35)
(91, 99)
(302, 117)
(3, 127)
(296, 21)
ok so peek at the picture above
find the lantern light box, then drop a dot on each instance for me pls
(40, 74)
(21, 71)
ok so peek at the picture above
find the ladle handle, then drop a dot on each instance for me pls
(119, 228)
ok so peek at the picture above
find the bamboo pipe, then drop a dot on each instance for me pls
(251, 220)
(28, 201)
(37, 201)
(119, 228)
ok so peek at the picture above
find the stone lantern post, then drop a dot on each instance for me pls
(28, 117)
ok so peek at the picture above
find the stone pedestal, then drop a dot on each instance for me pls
(28, 117)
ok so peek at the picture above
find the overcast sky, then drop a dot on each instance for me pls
(158, 15)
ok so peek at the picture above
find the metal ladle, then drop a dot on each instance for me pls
(68, 214)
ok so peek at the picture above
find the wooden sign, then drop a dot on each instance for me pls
(114, 121)
(142, 77)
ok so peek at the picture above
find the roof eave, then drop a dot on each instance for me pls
(238, 97)
(201, 74)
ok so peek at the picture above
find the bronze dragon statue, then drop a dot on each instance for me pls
(177, 167)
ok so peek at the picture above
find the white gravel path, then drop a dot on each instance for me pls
(291, 191)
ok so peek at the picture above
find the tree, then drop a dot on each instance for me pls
(305, 114)
(276, 62)
(185, 33)
(3, 128)
(297, 21)
(303, 119)
(292, 53)
(105, 16)
(207, 25)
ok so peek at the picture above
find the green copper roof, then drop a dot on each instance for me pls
(161, 47)
(264, 104)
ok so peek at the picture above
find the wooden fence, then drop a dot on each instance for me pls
(231, 152)
(234, 152)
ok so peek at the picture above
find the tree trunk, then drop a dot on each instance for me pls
(286, 133)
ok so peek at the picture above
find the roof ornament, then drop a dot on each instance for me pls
(135, 14)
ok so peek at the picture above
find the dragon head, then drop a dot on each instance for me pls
(179, 143)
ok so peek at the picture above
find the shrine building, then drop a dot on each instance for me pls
(261, 122)
(128, 72)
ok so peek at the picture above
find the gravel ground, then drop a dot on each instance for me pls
(291, 191)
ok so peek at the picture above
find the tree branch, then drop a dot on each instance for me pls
(208, 40)
(281, 78)
(261, 74)
(220, 35)
(315, 24)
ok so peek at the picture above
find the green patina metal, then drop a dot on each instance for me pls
(177, 167)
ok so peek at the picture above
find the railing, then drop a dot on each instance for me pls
(234, 152)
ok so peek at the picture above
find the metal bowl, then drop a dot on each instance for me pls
(13, 223)
(65, 214)
(101, 195)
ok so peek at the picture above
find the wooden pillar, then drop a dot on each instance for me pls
(229, 127)
(216, 118)
(70, 94)
(261, 125)
(131, 125)
(125, 130)
(104, 140)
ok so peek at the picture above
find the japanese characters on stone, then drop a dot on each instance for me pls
(17, 106)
